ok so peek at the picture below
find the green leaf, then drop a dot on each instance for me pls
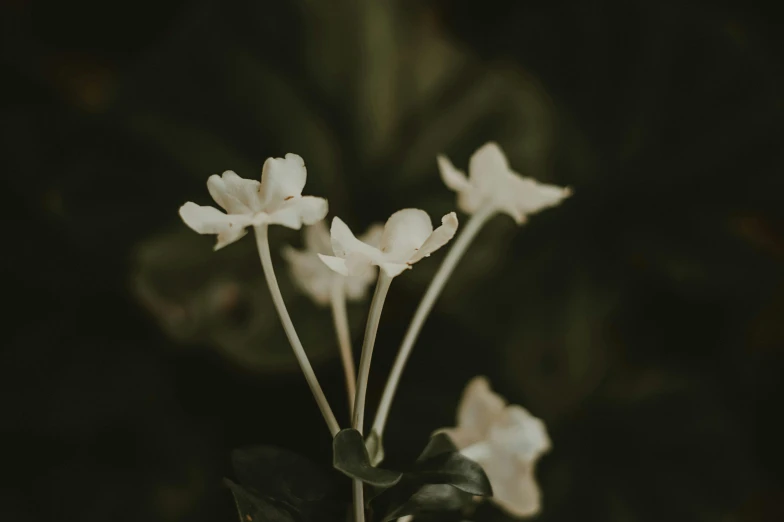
(411, 498)
(253, 508)
(350, 457)
(438, 444)
(459, 471)
(286, 480)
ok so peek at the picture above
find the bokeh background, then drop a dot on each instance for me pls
(643, 319)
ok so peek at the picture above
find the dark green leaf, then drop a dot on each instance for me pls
(412, 498)
(284, 479)
(438, 444)
(350, 456)
(253, 508)
(455, 469)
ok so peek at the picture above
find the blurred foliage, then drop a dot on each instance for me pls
(641, 320)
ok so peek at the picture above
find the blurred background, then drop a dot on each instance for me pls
(643, 320)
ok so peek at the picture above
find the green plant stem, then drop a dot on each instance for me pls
(340, 318)
(463, 241)
(262, 243)
(358, 418)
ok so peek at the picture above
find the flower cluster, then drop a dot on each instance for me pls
(335, 266)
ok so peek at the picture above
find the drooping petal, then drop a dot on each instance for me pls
(452, 177)
(210, 220)
(338, 264)
(404, 233)
(297, 211)
(487, 167)
(479, 408)
(281, 179)
(344, 242)
(235, 194)
(438, 238)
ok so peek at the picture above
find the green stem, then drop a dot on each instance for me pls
(461, 244)
(340, 318)
(262, 242)
(358, 418)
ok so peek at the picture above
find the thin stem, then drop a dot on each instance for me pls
(358, 418)
(262, 242)
(454, 255)
(340, 317)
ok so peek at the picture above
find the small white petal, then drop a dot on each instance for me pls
(298, 211)
(452, 177)
(479, 408)
(404, 233)
(344, 242)
(235, 194)
(372, 235)
(514, 487)
(210, 220)
(487, 165)
(309, 274)
(438, 238)
(335, 263)
(282, 178)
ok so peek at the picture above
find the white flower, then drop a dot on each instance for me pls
(492, 184)
(315, 278)
(277, 199)
(506, 440)
(407, 238)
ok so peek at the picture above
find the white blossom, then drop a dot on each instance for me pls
(316, 279)
(277, 199)
(408, 237)
(492, 185)
(506, 440)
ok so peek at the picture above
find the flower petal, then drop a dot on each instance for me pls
(344, 242)
(309, 274)
(514, 486)
(532, 196)
(210, 220)
(235, 194)
(335, 263)
(518, 433)
(452, 177)
(404, 233)
(282, 178)
(479, 408)
(297, 211)
(372, 235)
(438, 238)
(487, 166)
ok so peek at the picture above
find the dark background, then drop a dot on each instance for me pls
(643, 320)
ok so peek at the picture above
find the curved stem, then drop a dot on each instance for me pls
(358, 418)
(454, 255)
(262, 242)
(340, 317)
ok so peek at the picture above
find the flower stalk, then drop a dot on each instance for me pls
(453, 257)
(358, 418)
(340, 318)
(262, 242)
